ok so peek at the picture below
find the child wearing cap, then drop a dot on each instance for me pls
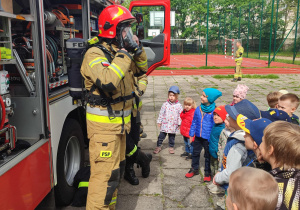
(169, 120)
(289, 103)
(239, 93)
(235, 152)
(281, 148)
(275, 114)
(250, 189)
(187, 117)
(253, 136)
(201, 128)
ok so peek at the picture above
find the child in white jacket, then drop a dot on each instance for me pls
(169, 120)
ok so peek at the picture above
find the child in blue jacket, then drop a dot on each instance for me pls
(201, 128)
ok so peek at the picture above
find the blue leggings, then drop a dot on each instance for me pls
(188, 145)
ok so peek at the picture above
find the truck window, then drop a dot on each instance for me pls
(153, 20)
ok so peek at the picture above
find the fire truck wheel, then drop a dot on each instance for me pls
(70, 158)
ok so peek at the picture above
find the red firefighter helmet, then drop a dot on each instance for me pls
(110, 17)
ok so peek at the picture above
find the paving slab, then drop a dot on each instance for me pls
(147, 186)
(128, 202)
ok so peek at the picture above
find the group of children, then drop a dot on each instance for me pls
(236, 136)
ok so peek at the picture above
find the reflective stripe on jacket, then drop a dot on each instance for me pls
(239, 54)
(115, 78)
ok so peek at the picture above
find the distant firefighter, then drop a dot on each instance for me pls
(238, 62)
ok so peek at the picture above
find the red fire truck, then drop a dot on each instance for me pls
(42, 128)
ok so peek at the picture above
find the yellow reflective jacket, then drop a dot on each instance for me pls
(115, 78)
(239, 54)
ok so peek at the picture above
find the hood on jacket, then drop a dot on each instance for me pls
(173, 102)
(239, 135)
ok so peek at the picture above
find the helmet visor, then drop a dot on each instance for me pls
(128, 41)
(128, 37)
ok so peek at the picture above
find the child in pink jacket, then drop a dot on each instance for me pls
(169, 120)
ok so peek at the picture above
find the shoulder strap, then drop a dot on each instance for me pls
(109, 56)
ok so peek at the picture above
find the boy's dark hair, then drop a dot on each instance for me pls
(273, 98)
(292, 97)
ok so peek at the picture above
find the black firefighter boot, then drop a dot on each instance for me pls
(144, 160)
(129, 172)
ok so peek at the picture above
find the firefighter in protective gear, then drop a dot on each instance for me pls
(238, 62)
(133, 152)
(108, 69)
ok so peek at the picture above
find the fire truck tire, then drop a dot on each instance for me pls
(70, 158)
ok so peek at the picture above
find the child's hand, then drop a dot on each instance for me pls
(191, 139)
(159, 125)
(214, 182)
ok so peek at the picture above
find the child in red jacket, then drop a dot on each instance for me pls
(186, 121)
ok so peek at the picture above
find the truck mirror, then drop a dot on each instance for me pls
(139, 17)
(140, 32)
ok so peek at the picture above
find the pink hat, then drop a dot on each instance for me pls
(241, 91)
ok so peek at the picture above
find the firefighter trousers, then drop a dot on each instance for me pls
(238, 70)
(133, 137)
(107, 160)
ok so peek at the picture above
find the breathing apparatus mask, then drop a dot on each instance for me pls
(125, 40)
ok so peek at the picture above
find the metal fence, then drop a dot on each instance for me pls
(269, 30)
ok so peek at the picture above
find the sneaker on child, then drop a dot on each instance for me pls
(207, 179)
(189, 157)
(217, 190)
(157, 150)
(171, 150)
(192, 173)
(184, 154)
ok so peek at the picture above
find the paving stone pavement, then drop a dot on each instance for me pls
(167, 187)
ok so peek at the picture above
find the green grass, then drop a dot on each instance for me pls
(249, 76)
(255, 56)
(287, 54)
